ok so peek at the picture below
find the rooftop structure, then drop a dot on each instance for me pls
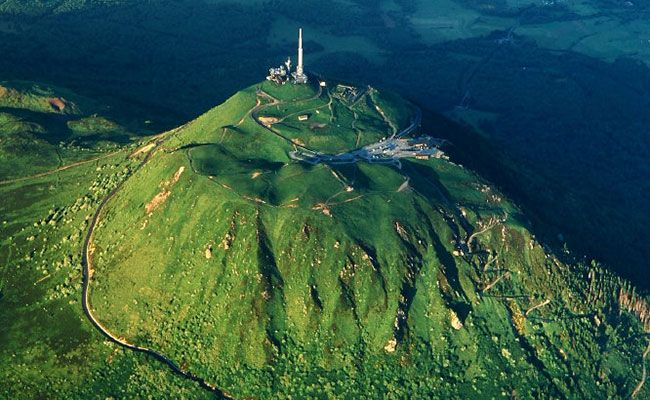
(283, 74)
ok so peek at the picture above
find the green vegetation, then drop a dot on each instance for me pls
(332, 119)
(565, 84)
(561, 88)
(274, 279)
(42, 128)
(271, 278)
(48, 349)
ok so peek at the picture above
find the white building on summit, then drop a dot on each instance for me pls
(283, 74)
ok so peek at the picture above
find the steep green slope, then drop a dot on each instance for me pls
(272, 278)
(562, 88)
(48, 349)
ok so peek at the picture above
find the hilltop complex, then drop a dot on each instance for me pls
(283, 74)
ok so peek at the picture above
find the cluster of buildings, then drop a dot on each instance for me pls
(283, 73)
(386, 151)
(423, 148)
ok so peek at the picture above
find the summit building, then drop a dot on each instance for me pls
(283, 73)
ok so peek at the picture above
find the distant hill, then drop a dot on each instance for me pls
(43, 127)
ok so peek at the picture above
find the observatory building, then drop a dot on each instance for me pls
(283, 74)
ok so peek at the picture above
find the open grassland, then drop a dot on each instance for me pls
(48, 348)
(333, 118)
(271, 278)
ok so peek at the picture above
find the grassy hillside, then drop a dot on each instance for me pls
(42, 128)
(271, 278)
(560, 88)
(48, 348)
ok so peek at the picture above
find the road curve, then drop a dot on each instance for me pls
(274, 102)
(86, 261)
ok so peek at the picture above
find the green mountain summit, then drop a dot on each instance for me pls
(254, 253)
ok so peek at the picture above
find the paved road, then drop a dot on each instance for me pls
(311, 156)
(87, 268)
(371, 153)
(275, 102)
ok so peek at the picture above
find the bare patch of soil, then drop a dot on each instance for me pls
(57, 103)
(162, 196)
(177, 175)
(158, 199)
(143, 149)
(268, 121)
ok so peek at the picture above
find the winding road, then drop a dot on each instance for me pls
(86, 261)
(88, 248)
(313, 157)
(365, 153)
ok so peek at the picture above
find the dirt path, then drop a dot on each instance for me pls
(638, 387)
(394, 129)
(143, 149)
(274, 102)
(60, 169)
(306, 110)
(249, 112)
